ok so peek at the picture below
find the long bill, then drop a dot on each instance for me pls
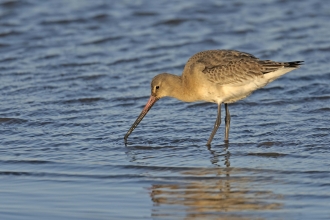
(150, 103)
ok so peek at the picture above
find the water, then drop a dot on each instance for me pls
(75, 75)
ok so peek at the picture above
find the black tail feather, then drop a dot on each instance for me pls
(294, 64)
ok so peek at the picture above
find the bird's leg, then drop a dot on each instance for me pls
(227, 122)
(216, 125)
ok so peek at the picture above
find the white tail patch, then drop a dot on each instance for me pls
(280, 72)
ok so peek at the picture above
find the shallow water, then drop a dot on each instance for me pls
(75, 75)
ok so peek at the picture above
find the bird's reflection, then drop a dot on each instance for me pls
(215, 155)
(208, 192)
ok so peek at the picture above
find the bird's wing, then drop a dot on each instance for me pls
(226, 66)
(233, 67)
(233, 72)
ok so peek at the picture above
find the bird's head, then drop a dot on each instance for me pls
(162, 85)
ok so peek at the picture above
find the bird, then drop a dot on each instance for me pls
(216, 76)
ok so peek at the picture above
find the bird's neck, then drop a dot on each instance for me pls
(180, 89)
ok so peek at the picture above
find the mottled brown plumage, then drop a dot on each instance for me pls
(230, 66)
(219, 76)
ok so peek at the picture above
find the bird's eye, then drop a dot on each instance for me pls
(157, 87)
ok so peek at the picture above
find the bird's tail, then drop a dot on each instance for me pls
(273, 70)
(293, 64)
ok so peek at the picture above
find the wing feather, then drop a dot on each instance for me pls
(233, 67)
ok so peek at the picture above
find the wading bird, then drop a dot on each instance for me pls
(218, 76)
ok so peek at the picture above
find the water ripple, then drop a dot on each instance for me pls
(76, 74)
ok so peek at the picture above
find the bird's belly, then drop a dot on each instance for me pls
(233, 92)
